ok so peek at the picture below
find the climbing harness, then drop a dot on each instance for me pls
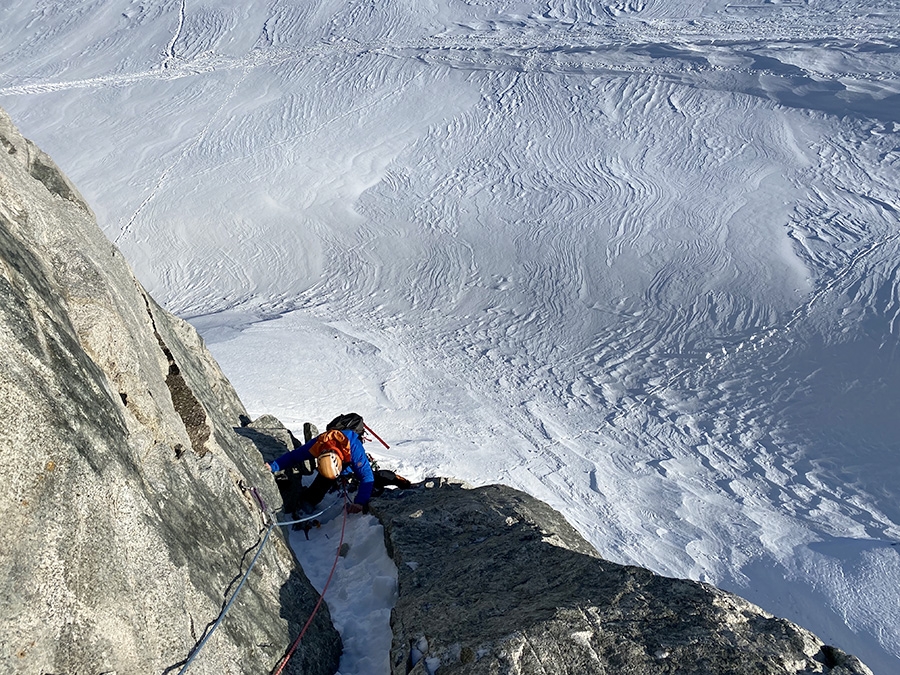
(290, 652)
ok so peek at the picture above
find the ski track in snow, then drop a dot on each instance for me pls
(636, 258)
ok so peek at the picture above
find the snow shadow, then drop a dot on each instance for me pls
(766, 76)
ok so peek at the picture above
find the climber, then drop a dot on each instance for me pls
(338, 452)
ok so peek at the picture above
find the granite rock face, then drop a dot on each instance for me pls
(495, 582)
(127, 513)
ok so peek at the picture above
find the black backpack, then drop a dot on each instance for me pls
(350, 421)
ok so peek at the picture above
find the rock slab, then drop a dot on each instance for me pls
(128, 513)
(492, 581)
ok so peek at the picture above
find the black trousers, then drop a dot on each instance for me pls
(320, 486)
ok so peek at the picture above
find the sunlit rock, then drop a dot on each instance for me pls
(128, 513)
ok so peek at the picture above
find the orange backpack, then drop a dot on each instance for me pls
(332, 441)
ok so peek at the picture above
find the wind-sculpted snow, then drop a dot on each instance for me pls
(637, 258)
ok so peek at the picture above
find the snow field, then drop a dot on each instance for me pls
(638, 259)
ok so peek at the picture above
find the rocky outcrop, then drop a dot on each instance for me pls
(127, 515)
(493, 581)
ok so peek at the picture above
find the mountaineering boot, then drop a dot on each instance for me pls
(307, 526)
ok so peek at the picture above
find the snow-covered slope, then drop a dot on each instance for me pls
(638, 258)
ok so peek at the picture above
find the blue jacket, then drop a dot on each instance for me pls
(359, 464)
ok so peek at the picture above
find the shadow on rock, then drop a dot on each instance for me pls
(492, 580)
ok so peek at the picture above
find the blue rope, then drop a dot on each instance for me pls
(305, 519)
(247, 574)
(228, 606)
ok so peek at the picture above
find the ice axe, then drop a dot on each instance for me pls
(366, 426)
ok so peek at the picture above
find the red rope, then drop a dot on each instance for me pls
(287, 657)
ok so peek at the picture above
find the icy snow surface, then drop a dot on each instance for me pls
(363, 586)
(637, 258)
